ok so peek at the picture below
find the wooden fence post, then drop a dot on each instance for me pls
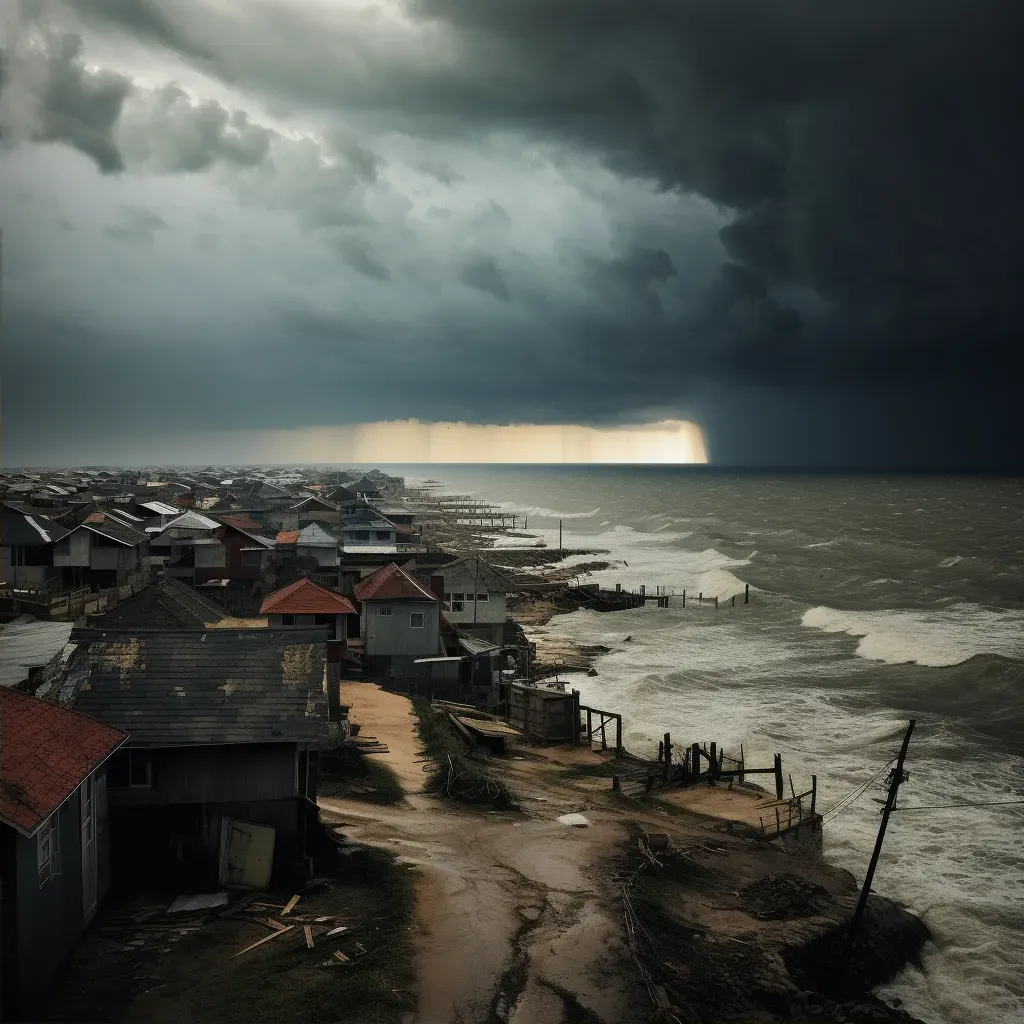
(778, 777)
(590, 729)
(696, 760)
(714, 760)
(618, 734)
(746, 594)
(661, 751)
(814, 793)
(667, 765)
(684, 597)
(743, 763)
(716, 603)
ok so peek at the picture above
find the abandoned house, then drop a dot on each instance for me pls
(317, 545)
(474, 597)
(102, 552)
(400, 621)
(303, 604)
(224, 728)
(54, 840)
(27, 545)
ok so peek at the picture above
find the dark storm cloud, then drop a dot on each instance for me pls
(136, 225)
(483, 274)
(359, 255)
(79, 107)
(869, 155)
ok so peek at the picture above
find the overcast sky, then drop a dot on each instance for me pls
(793, 222)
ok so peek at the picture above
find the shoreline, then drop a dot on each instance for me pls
(519, 915)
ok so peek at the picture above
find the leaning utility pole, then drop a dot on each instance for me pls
(896, 779)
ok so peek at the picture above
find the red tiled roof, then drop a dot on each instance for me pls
(46, 751)
(390, 584)
(304, 597)
(242, 523)
(288, 537)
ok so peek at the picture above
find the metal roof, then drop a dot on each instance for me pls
(392, 583)
(222, 686)
(19, 529)
(28, 645)
(160, 508)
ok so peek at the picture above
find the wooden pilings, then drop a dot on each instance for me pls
(778, 777)
(666, 766)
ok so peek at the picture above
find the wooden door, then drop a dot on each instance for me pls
(246, 854)
(87, 801)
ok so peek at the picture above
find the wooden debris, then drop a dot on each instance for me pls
(276, 925)
(259, 942)
(308, 932)
(337, 931)
(340, 957)
(290, 905)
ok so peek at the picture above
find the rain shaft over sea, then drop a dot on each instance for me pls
(873, 600)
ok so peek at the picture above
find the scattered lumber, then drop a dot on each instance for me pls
(259, 942)
(290, 904)
(308, 932)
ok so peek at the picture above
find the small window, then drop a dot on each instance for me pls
(457, 597)
(383, 611)
(323, 620)
(130, 769)
(481, 598)
(48, 850)
(447, 598)
(287, 620)
(383, 535)
(416, 620)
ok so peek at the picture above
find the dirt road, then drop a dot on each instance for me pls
(517, 917)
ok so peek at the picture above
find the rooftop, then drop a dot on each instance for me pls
(392, 583)
(47, 751)
(189, 687)
(304, 597)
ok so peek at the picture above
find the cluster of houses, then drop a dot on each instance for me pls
(171, 737)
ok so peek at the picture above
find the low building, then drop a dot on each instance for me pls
(102, 552)
(54, 840)
(400, 621)
(367, 531)
(316, 544)
(27, 547)
(165, 604)
(225, 727)
(475, 597)
(303, 604)
(316, 509)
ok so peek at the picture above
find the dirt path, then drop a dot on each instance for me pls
(389, 717)
(517, 917)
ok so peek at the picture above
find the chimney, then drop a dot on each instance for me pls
(437, 586)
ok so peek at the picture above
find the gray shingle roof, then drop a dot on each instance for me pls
(182, 688)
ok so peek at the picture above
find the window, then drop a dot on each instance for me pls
(383, 611)
(457, 602)
(361, 536)
(481, 598)
(416, 620)
(130, 769)
(383, 535)
(287, 620)
(48, 850)
(323, 620)
(447, 598)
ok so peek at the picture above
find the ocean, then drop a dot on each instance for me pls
(873, 600)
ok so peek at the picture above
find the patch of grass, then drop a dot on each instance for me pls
(455, 775)
(604, 770)
(345, 764)
(377, 896)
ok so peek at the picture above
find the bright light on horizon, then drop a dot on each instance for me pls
(413, 441)
(405, 442)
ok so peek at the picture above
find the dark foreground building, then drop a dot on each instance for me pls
(54, 840)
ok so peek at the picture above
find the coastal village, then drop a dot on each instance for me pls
(295, 745)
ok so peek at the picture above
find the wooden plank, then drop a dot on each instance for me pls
(259, 942)
(274, 924)
(308, 932)
(290, 905)
(338, 955)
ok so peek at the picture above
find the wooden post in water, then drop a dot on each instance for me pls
(746, 594)
(792, 791)
(667, 764)
(896, 779)
(700, 597)
(714, 760)
(734, 600)
(743, 763)
(661, 751)
(684, 597)
(618, 734)
(814, 793)
(778, 777)
(716, 603)
(590, 729)
(696, 760)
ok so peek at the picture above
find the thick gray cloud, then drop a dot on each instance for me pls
(867, 157)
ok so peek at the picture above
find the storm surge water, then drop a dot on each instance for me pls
(874, 600)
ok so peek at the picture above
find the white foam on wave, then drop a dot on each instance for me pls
(948, 563)
(544, 513)
(940, 637)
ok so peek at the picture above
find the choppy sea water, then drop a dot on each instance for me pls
(874, 600)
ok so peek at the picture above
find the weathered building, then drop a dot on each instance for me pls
(103, 551)
(303, 604)
(225, 726)
(317, 544)
(400, 621)
(54, 840)
(475, 597)
(27, 545)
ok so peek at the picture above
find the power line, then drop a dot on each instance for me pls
(942, 807)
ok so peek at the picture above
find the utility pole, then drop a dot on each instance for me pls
(896, 779)
(559, 534)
